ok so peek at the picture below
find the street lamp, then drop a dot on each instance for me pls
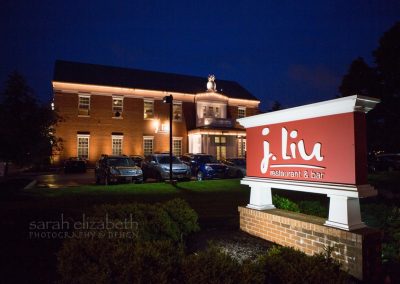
(169, 100)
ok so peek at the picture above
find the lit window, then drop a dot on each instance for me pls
(148, 109)
(241, 112)
(217, 112)
(117, 144)
(241, 147)
(177, 111)
(83, 146)
(117, 106)
(177, 146)
(210, 111)
(148, 145)
(84, 105)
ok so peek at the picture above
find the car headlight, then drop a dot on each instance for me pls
(165, 168)
(208, 168)
(139, 171)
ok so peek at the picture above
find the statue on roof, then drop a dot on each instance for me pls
(211, 85)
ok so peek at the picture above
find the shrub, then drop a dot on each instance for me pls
(386, 218)
(314, 208)
(284, 203)
(153, 255)
(169, 221)
(184, 216)
(113, 261)
(286, 265)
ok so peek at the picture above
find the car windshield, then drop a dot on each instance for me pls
(120, 162)
(165, 160)
(207, 159)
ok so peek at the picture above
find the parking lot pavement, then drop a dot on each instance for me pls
(59, 180)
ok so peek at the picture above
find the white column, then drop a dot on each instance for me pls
(260, 197)
(344, 213)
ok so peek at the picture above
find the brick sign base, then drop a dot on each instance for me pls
(358, 251)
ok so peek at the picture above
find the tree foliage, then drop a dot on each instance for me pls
(360, 79)
(276, 106)
(381, 81)
(27, 137)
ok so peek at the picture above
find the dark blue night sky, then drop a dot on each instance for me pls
(292, 51)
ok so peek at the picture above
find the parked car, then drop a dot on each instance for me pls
(236, 167)
(138, 160)
(157, 166)
(384, 162)
(74, 165)
(113, 169)
(204, 166)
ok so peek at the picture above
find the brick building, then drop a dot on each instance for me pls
(111, 110)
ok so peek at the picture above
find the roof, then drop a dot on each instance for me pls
(93, 74)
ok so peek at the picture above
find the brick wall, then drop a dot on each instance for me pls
(101, 124)
(358, 251)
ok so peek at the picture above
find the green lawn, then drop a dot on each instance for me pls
(208, 186)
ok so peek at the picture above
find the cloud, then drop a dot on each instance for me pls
(318, 77)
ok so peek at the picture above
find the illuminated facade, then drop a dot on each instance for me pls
(110, 110)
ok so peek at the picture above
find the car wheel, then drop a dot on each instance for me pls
(239, 174)
(200, 176)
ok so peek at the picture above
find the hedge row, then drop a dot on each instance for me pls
(157, 255)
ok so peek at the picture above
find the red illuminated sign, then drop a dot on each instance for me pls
(311, 145)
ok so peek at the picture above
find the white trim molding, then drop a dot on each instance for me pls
(344, 206)
(337, 106)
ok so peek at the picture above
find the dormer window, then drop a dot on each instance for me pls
(117, 106)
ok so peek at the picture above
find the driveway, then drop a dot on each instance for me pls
(59, 180)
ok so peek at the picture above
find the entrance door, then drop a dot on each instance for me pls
(220, 145)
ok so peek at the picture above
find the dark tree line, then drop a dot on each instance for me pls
(382, 80)
(26, 125)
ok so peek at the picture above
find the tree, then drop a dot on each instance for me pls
(360, 79)
(276, 106)
(381, 81)
(27, 137)
(387, 59)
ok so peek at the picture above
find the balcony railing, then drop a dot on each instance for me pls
(214, 122)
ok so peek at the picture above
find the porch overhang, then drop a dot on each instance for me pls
(222, 132)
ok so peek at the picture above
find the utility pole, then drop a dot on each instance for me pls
(169, 100)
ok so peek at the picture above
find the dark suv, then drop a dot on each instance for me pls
(157, 166)
(112, 169)
(204, 166)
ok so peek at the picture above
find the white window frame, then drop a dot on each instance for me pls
(148, 101)
(173, 145)
(79, 105)
(177, 103)
(241, 147)
(152, 144)
(114, 108)
(83, 136)
(241, 108)
(117, 137)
